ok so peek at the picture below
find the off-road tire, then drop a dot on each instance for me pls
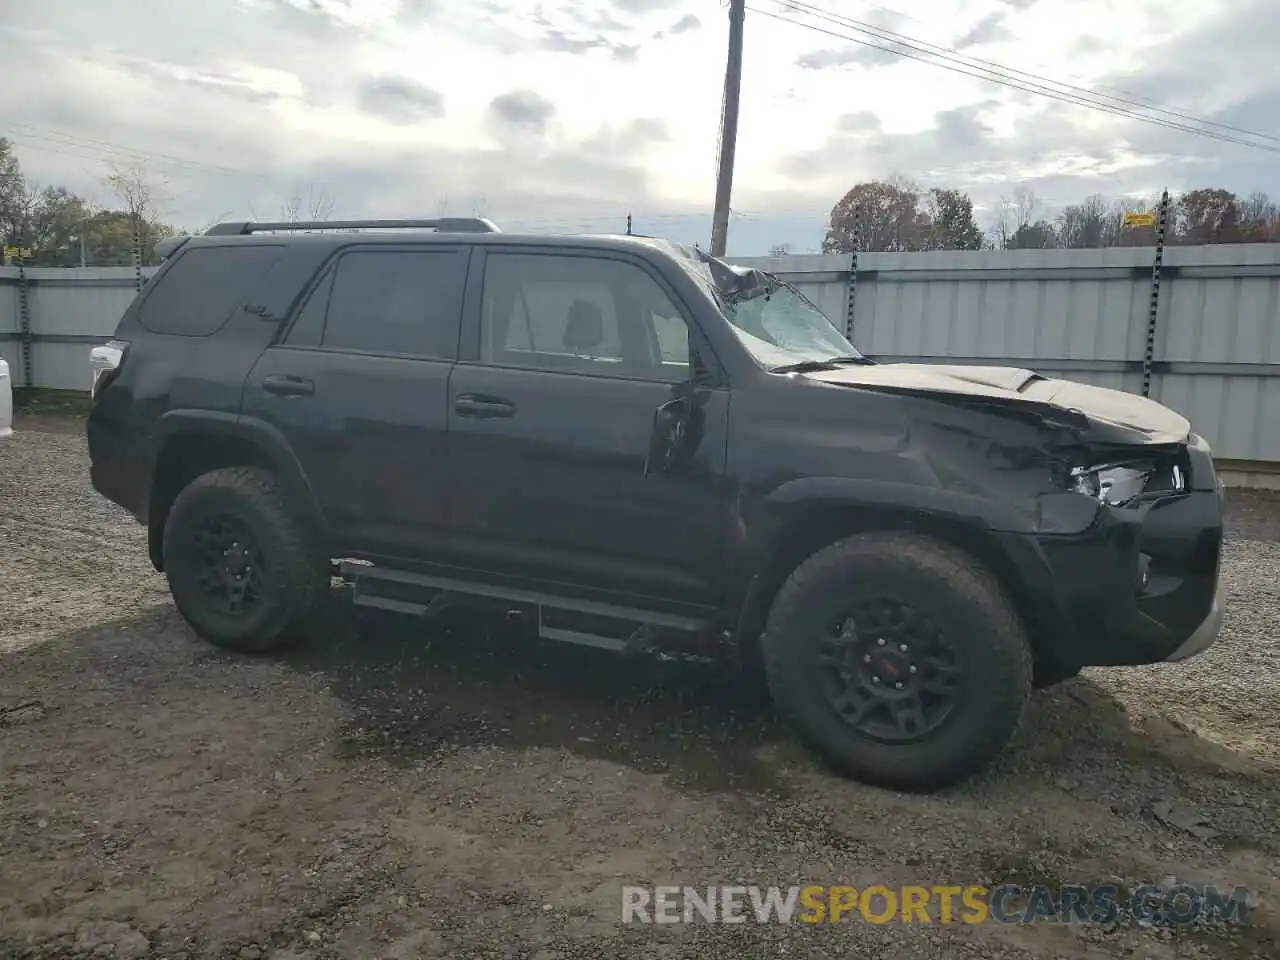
(295, 579)
(953, 590)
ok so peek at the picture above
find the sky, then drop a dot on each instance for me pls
(566, 116)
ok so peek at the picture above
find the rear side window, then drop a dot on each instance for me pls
(196, 295)
(404, 302)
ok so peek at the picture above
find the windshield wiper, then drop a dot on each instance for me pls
(804, 366)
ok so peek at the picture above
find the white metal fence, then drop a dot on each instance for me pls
(1081, 314)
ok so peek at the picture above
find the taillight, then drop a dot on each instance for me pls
(104, 362)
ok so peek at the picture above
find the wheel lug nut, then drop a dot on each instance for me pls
(898, 685)
(866, 658)
(911, 669)
(880, 642)
(902, 647)
(875, 679)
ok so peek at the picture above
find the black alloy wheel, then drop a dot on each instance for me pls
(889, 672)
(230, 565)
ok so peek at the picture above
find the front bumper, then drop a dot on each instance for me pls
(1141, 585)
(1204, 635)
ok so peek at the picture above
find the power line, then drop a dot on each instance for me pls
(110, 150)
(923, 55)
(950, 53)
(931, 55)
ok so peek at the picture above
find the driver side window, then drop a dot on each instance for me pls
(580, 314)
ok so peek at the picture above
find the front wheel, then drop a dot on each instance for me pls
(899, 660)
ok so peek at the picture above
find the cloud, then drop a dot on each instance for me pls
(564, 38)
(645, 6)
(399, 99)
(567, 112)
(522, 110)
(560, 42)
(686, 24)
(850, 56)
(990, 29)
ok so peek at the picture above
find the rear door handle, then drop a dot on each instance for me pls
(287, 386)
(482, 407)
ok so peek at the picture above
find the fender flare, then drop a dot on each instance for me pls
(261, 434)
(791, 501)
(979, 512)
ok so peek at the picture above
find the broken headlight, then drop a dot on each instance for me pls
(1117, 484)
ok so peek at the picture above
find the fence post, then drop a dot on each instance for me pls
(1162, 220)
(137, 252)
(24, 321)
(853, 274)
(628, 224)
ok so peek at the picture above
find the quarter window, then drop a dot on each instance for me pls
(196, 295)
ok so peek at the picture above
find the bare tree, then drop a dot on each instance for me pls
(290, 208)
(140, 192)
(136, 188)
(312, 204)
(1025, 206)
(1016, 218)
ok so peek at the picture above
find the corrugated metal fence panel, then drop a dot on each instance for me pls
(1224, 308)
(80, 301)
(1079, 314)
(1082, 315)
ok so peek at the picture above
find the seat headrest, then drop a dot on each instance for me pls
(585, 327)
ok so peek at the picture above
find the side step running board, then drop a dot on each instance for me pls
(632, 628)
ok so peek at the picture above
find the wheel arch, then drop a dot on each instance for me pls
(193, 442)
(801, 528)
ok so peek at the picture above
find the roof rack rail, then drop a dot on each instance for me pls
(443, 225)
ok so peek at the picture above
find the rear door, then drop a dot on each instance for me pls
(358, 385)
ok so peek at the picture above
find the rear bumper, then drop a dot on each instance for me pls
(114, 468)
(1141, 586)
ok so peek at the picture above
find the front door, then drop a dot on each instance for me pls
(358, 386)
(581, 449)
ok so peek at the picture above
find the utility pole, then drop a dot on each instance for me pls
(729, 128)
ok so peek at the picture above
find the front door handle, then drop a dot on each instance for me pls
(287, 386)
(482, 407)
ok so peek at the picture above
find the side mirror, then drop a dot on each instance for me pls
(670, 423)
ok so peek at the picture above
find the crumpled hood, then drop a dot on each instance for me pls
(1137, 418)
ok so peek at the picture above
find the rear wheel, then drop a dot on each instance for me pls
(243, 568)
(899, 659)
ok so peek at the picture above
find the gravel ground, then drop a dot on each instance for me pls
(456, 790)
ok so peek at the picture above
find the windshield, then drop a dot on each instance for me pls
(779, 325)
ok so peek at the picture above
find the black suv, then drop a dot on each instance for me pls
(644, 447)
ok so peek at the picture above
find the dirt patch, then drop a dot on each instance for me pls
(458, 789)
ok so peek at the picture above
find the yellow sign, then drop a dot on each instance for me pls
(13, 253)
(1139, 219)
